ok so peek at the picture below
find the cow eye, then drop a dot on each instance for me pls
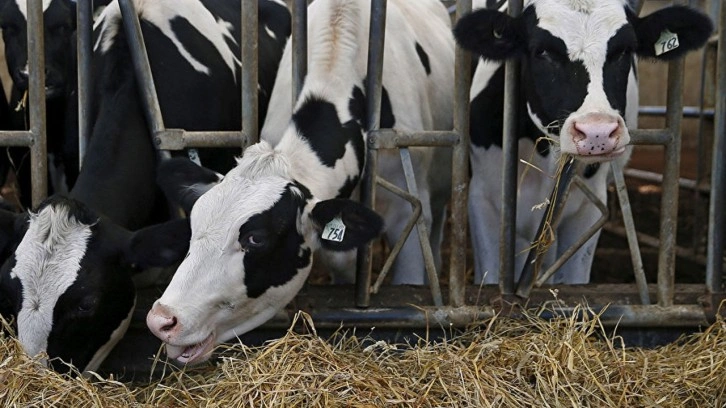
(86, 304)
(548, 55)
(254, 240)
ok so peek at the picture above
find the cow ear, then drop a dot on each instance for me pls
(159, 245)
(183, 181)
(656, 32)
(343, 224)
(491, 34)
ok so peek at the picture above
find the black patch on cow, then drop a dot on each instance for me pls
(317, 121)
(76, 210)
(424, 58)
(277, 260)
(590, 170)
(617, 66)
(358, 105)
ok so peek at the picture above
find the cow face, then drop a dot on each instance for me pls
(253, 235)
(578, 63)
(59, 17)
(68, 282)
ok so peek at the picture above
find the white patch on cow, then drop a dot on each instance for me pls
(161, 14)
(270, 33)
(485, 70)
(47, 263)
(23, 6)
(115, 337)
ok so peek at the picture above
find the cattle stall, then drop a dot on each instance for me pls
(642, 305)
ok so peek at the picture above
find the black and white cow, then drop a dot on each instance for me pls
(68, 282)
(253, 233)
(59, 17)
(580, 91)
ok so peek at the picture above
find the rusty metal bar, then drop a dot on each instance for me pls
(510, 151)
(142, 69)
(84, 52)
(299, 47)
(460, 170)
(249, 57)
(394, 139)
(717, 218)
(36, 94)
(17, 138)
(669, 198)
(374, 86)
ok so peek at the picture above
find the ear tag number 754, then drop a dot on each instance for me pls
(334, 230)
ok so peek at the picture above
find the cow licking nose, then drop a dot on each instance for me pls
(597, 136)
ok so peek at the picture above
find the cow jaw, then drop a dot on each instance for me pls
(193, 353)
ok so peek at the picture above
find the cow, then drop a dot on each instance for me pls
(59, 18)
(580, 97)
(254, 233)
(68, 282)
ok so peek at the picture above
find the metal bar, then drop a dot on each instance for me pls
(299, 47)
(649, 136)
(180, 139)
(557, 201)
(36, 94)
(16, 138)
(622, 191)
(373, 85)
(394, 139)
(716, 216)
(142, 69)
(658, 178)
(84, 33)
(583, 237)
(688, 111)
(249, 57)
(510, 150)
(669, 198)
(460, 170)
(654, 242)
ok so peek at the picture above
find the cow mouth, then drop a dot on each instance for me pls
(604, 156)
(191, 353)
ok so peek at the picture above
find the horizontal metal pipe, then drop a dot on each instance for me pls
(688, 111)
(179, 139)
(654, 242)
(16, 138)
(393, 139)
(650, 136)
(658, 178)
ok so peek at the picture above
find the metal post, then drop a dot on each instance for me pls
(373, 85)
(714, 257)
(460, 170)
(36, 93)
(84, 33)
(669, 199)
(144, 79)
(299, 47)
(249, 44)
(510, 164)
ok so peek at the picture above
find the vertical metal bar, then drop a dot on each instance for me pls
(84, 32)
(509, 178)
(698, 210)
(460, 170)
(714, 256)
(36, 93)
(374, 86)
(142, 68)
(249, 44)
(299, 47)
(669, 199)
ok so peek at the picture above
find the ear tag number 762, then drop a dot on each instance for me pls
(334, 230)
(668, 41)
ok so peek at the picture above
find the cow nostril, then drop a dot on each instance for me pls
(170, 325)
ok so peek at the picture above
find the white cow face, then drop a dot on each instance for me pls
(578, 65)
(253, 235)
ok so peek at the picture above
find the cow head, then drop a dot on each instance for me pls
(253, 235)
(578, 63)
(67, 284)
(59, 17)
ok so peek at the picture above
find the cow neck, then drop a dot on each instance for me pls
(117, 177)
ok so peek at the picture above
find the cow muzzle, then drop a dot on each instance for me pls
(595, 137)
(165, 325)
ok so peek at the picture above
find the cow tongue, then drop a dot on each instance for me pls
(187, 354)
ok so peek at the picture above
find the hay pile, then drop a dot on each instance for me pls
(530, 363)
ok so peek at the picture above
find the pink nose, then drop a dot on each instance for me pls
(162, 322)
(596, 134)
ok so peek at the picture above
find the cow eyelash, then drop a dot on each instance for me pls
(253, 240)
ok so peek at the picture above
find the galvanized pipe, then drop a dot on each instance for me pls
(142, 69)
(650, 136)
(17, 138)
(249, 57)
(374, 86)
(84, 33)
(299, 47)
(394, 139)
(716, 216)
(510, 164)
(179, 139)
(36, 94)
(460, 170)
(669, 198)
